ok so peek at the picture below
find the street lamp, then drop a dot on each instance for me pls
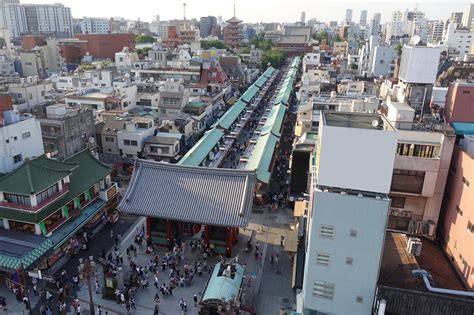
(87, 269)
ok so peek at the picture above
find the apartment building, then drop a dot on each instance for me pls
(457, 231)
(131, 139)
(94, 25)
(460, 102)
(29, 92)
(457, 41)
(36, 19)
(20, 139)
(66, 131)
(343, 256)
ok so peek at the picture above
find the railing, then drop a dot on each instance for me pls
(55, 225)
(42, 204)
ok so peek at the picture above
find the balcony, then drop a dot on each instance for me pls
(42, 204)
(108, 192)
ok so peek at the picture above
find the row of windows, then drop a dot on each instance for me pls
(416, 150)
(132, 143)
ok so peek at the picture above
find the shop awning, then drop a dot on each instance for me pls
(291, 241)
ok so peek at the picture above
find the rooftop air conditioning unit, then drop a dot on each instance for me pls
(418, 227)
(414, 246)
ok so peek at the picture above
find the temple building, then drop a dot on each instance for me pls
(233, 32)
(183, 201)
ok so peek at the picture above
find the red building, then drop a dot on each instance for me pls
(6, 103)
(31, 41)
(460, 102)
(101, 46)
(233, 32)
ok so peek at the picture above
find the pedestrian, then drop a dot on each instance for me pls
(271, 260)
(195, 298)
(35, 289)
(282, 311)
(99, 310)
(276, 259)
(156, 281)
(282, 239)
(111, 234)
(78, 309)
(97, 287)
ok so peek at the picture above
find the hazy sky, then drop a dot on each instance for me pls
(253, 10)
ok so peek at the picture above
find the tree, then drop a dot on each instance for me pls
(320, 36)
(354, 66)
(140, 39)
(208, 44)
(274, 56)
(143, 51)
(260, 42)
(398, 49)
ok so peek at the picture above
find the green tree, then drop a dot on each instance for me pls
(274, 56)
(320, 36)
(354, 66)
(398, 50)
(260, 42)
(143, 51)
(215, 43)
(140, 39)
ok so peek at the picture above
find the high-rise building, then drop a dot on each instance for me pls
(303, 17)
(456, 17)
(435, 31)
(95, 26)
(419, 64)
(348, 211)
(374, 26)
(468, 15)
(458, 41)
(348, 17)
(206, 24)
(34, 19)
(399, 25)
(363, 17)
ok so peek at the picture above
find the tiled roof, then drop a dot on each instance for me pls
(34, 176)
(203, 195)
(89, 170)
(202, 148)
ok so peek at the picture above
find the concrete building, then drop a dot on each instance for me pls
(420, 171)
(125, 59)
(95, 25)
(348, 16)
(458, 210)
(164, 146)
(29, 92)
(90, 99)
(419, 64)
(363, 17)
(383, 61)
(458, 42)
(468, 16)
(303, 18)
(399, 25)
(460, 102)
(66, 131)
(435, 32)
(343, 255)
(456, 18)
(374, 26)
(206, 24)
(20, 139)
(47, 19)
(131, 139)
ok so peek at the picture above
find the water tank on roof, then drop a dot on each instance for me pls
(11, 117)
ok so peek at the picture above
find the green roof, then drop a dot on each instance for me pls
(249, 94)
(231, 114)
(261, 81)
(220, 286)
(10, 264)
(268, 73)
(196, 104)
(296, 62)
(89, 171)
(201, 149)
(274, 120)
(284, 94)
(35, 176)
(261, 157)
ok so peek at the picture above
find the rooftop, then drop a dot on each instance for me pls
(221, 197)
(357, 120)
(463, 128)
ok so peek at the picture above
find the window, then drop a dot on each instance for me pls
(470, 227)
(126, 142)
(416, 150)
(327, 231)
(323, 259)
(466, 92)
(353, 233)
(323, 289)
(459, 210)
(17, 158)
(18, 199)
(15, 138)
(465, 181)
(133, 143)
(359, 299)
(26, 135)
(349, 260)
(397, 202)
(109, 139)
(407, 181)
(47, 193)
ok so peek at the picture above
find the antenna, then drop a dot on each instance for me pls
(375, 123)
(184, 11)
(234, 8)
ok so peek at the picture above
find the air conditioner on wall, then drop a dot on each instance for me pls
(394, 212)
(406, 214)
(418, 227)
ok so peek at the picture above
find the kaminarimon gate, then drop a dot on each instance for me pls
(180, 201)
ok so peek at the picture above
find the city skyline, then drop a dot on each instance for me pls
(333, 11)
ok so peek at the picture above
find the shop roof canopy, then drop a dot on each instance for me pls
(214, 196)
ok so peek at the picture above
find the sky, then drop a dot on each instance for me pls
(253, 10)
